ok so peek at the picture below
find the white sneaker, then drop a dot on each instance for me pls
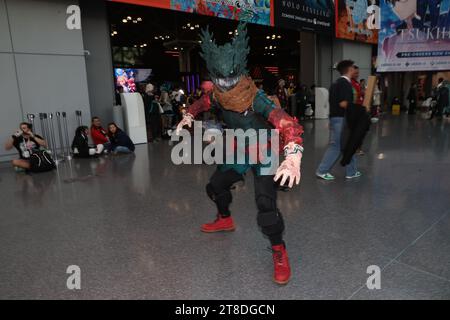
(356, 175)
(327, 176)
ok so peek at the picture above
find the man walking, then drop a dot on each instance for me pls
(442, 100)
(341, 96)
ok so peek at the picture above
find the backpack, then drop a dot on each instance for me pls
(41, 161)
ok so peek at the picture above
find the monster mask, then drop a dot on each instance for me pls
(228, 63)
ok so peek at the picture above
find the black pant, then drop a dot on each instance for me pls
(437, 111)
(269, 218)
(155, 126)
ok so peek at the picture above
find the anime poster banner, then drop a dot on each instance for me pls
(127, 79)
(312, 15)
(414, 35)
(163, 4)
(351, 20)
(253, 11)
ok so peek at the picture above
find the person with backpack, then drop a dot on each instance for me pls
(442, 98)
(120, 141)
(81, 147)
(26, 143)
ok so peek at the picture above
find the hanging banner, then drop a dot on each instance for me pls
(312, 15)
(254, 11)
(414, 35)
(351, 20)
(163, 4)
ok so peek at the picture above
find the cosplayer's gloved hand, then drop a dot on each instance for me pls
(186, 121)
(290, 167)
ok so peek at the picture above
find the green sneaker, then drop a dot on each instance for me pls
(327, 176)
(356, 175)
(19, 170)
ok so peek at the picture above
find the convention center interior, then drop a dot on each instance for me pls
(225, 150)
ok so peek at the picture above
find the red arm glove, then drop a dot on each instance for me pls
(199, 106)
(289, 128)
(290, 135)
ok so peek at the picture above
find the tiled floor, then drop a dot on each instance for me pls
(131, 223)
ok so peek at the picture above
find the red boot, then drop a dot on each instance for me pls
(282, 270)
(220, 224)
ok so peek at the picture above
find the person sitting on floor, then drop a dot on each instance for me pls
(25, 141)
(120, 141)
(98, 134)
(81, 147)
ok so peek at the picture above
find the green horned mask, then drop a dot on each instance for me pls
(227, 63)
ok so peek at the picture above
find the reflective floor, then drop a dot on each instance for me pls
(131, 224)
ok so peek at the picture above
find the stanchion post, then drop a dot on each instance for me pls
(52, 138)
(43, 132)
(60, 135)
(66, 130)
(79, 117)
(30, 118)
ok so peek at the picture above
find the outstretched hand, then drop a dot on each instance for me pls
(290, 168)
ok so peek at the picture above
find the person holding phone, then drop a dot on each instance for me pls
(25, 141)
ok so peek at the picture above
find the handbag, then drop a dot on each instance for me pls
(41, 161)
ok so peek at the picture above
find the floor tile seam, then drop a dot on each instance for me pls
(423, 271)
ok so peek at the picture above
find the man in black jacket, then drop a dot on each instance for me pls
(341, 97)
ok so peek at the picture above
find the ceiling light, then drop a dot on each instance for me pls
(128, 18)
(279, 37)
(167, 37)
(115, 32)
(134, 21)
(156, 38)
(175, 48)
(192, 28)
(188, 24)
(124, 20)
(139, 19)
(270, 47)
(197, 26)
(267, 37)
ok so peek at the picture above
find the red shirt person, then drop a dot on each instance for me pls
(358, 94)
(98, 134)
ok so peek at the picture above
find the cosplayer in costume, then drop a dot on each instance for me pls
(243, 106)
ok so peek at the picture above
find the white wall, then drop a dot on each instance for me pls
(42, 64)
